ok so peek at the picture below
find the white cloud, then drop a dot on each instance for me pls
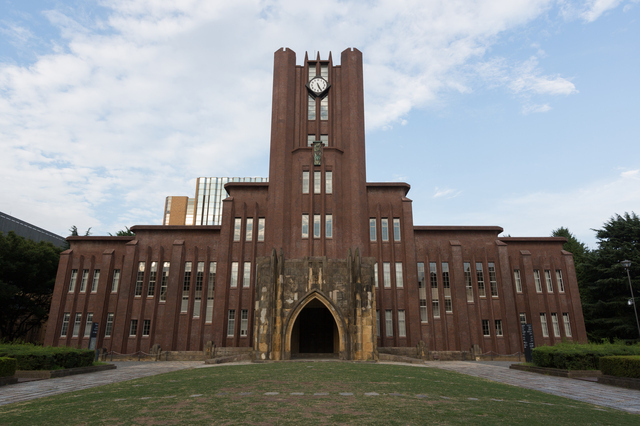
(446, 192)
(530, 109)
(595, 8)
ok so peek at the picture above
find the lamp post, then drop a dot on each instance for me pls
(626, 264)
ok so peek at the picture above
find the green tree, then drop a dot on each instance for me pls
(126, 232)
(27, 276)
(606, 287)
(74, 231)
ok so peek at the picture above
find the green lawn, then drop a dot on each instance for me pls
(246, 394)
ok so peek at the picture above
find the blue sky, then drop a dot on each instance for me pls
(517, 113)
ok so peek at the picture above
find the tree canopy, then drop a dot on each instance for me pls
(126, 232)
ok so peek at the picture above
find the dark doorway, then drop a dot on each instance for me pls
(315, 331)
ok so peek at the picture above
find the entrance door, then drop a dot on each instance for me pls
(315, 331)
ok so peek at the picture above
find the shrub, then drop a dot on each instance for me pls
(32, 357)
(572, 356)
(7, 366)
(621, 366)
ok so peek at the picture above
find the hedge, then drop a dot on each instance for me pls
(7, 366)
(32, 357)
(571, 356)
(621, 366)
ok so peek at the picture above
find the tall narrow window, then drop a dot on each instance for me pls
(65, 324)
(316, 226)
(435, 298)
(324, 108)
(246, 276)
(480, 277)
(305, 226)
(446, 285)
(328, 182)
(388, 323)
(523, 318)
(197, 294)
(96, 279)
(543, 323)
(164, 281)
(396, 229)
(186, 286)
(372, 229)
(237, 228)
(547, 277)
(385, 229)
(109, 326)
(399, 280)
(567, 324)
(83, 282)
(375, 273)
(402, 328)
(87, 324)
(261, 229)
(139, 279)
(249, 230)
(234, 275)
(231, 323)
(116, 281)
(493, 280)
(467, 281)
(422, 293)
(498, 327)
(72, 282)
(210, 291)
(317, 182)
(311, 108)
(133, 329)
(76, 325)
(146, 327)
(378, 321)
(328, 226)
(536, 279)
(486, 331)
(305, 182)
(153, 274)
(559, 281)
(518, 280)
(244, 322)
(556, 325)
(386, 274)
(324, 139)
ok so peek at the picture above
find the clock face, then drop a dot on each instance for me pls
(318, 85)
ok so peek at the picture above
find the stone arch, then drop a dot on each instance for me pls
(337, 317)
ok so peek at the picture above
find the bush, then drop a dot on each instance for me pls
(572, 356)
(621, 366)
(32, 357)
(7, 366)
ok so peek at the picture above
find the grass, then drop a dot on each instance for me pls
(235, 394)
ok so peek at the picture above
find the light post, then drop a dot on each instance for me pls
(626, 264)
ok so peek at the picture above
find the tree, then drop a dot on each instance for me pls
(27, 276)
(126, 232)
(74, 231)
(606, 287)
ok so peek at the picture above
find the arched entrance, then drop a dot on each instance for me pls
(315, 332)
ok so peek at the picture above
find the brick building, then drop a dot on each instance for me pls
(317, 259)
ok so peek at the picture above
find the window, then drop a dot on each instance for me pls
(480, 277)
(547, 278)
(164, 281)
(305, 182)
(396, 229)
(435, 298)
(517, 280)
(234, 275)
(305, 226)
(386, 274)
(133, 329)
(328, 226)
(378, 321)
(317, 182)
(231, 324)
(72, 282)
(388, 323)
(446, 285)
(523, 318)
(324, 108)
(186, 285)
(85, 278)
(492, 279)
(328, 182)
(375, 273)
(324, 139)
(76, 325)
(422, 293)
(237, 228)
(402, 329)
(65, 324)
(244, 322)
(486, 331)
(146, 327)
(197, 294)
(153, 274)
(139, 279)
(567, 324)
(210, 291)
(87, 324)
(385, 229)
(116, 281)
(399, 281)
(249, 230)
(543, 323)
(261, 229)
(372, 229)
(498, 327)
(312, 108)
(536, 279)
(96, 279)
(556, 325)
(246, 277)
(559, 281)
(316, 226)
(109, 326)
(467, 281)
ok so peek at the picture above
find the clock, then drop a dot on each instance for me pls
(318, 86)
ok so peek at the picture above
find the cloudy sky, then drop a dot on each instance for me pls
(519, 113)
